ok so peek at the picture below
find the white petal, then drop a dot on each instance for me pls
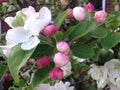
(45, 15)
(7, 49)
(9, 21)
(30, 44)
(17, 35)
(38, 21)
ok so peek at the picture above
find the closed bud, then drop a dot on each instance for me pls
(61, 59)
(79, 13)
(7, 75)
(43, 62)
(70, 14)
(89, 8)
(100, 16)
(50, 30)
(63, 47)
(56, 74)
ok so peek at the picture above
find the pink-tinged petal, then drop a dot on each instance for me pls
(29, 11)
(35, 23)
(45, 15)
(9, 21)
(7, 49)
(17, 35)
(30, 44)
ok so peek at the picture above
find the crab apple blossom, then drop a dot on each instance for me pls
(49, 30)
(79, 13)
(60, 59)
(63, 46)
(99, 74)
(100, 16)
(89, 8)
(28, 34)
(43, 62)
(56, 74)
(70, 14)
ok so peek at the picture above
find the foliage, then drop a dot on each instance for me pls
(94, 43)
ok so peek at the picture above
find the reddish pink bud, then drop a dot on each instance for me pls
(70, 14)
(89, 8)
(7, 75)
(79, 13)
(50, 30)
(3, 1)
(63, 47)
(56, 74)
(61, 59)
(43, 62)
(100, 16)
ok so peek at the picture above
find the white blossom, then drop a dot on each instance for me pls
(99, 74)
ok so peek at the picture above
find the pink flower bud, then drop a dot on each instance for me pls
(79, 13)
(7, 75)
(56, 74)
(89, 8)
(61, 59)
(29, 11)
(50, 30)
(100, 16)
(70, 14)
(43, 62)
(63, 47)
(4, 1)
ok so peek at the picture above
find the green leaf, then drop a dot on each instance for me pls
(111, 40)
(18, 20)
(3, 68)
(60, 18)
(42, 50)
(82, 51)
(14, 2)
(41, 76)
(17, 59)
(81, 29)
(99, 32)
(113, 20)
(59, 36)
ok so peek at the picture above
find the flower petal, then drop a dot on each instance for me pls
(45, 15)
(9, 21)
(35, 23)
(17, 35)
(30, 44)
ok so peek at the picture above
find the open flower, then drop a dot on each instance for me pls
(99, 74)
(113, 67)
(27, 34)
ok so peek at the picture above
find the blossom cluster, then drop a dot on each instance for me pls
(109, 74)
(27, 27)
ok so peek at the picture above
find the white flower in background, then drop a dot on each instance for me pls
(62, 86)
(112, 87)
(43, 87)
(113, 67)
(67, 69)
(99, 74)
(79, 59)
(58, 86)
